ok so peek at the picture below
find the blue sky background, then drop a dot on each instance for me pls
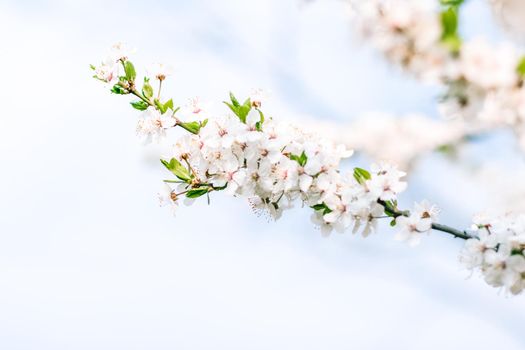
(89, 261)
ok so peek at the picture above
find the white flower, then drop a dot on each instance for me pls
(262, 207)
(107, 71)
(167, 197)
(425, 210)
(152, 125)
(411, 228)
(514, 269)
(386, 182)
(159, 71)
(370, 218)
(341, 216)
(325, 227)
(305, 181)
(193, 110)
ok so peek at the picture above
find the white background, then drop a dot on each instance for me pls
(89, 261)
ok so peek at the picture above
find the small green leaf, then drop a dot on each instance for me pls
(259, 124)
(168, 105)
(147, 90)
(449, 23)
(521, 67)
(241, 111)
(131, 74)
(235, 103)
(391, 208)
(244, 110)
(119, 90)
(163, 107)
(361, 175)
(140, 105)
(322, 207)
(92, 67)
(197, 192)
(193, 127)
(393, 222)
(220, 188)
(177, 169)
(302, 159)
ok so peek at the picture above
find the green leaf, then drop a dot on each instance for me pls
(259, 124)
(177, 169)
(521, 67)
(361, 175)
(241, 111)
(197, 192)
(302, 159)
(92, 67)
(119, 90)
(391, 208)
(319, 206)
(449, 23)
(140, 105)
(235, 103)
(244, 110)
(220, 188)
(322, 207)
(393, 222)
(131, 74)
(147, 89)
(164, 107)
(193, 127)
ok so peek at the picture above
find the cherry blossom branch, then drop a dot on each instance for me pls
(452, 231)
(276, 165)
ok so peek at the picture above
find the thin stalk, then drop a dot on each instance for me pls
(395, 213)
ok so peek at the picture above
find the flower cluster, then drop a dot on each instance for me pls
(483, 82)
(497, 251)
(275, 165)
